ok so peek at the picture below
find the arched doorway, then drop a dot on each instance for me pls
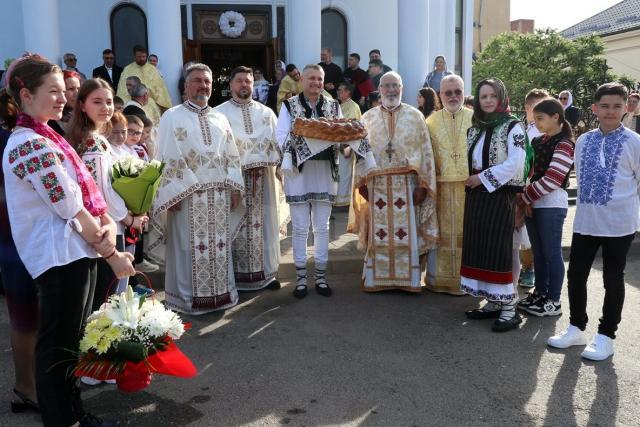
(334, 35)
(128, 28)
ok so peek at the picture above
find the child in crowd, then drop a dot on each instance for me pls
(134, 239)
(546, 202)
(118, 104)
(118, 135)
(148, 137)
(607, 161)
(523, 269)
(135, 129)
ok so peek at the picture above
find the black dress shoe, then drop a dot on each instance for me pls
(274, 286)
(324, 290)
(506, 325)
(300, 292)
(481, 314)
(23, 404)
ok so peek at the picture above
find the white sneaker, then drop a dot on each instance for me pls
(110, 381)
(601, 348)
(90, 381)
(569, 337)
(146, 267)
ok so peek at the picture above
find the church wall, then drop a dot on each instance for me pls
(89, 36)
(371, 24)
(11, 31)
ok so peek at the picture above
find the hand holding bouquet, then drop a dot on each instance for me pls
(137, 182)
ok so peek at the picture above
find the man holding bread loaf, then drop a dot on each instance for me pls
(309, 131)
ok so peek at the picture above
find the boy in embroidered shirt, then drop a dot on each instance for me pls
(607, 162)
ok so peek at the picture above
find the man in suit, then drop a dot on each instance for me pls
(109, 71)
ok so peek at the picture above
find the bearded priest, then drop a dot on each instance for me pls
(256, 249)
(394, 210)
(448, 129)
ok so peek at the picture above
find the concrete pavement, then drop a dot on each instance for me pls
(388, 359)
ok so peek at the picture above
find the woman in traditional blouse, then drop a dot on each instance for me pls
(60, 225)
(497, 143)
(91, 120)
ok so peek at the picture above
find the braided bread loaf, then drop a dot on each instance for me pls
(334, 130)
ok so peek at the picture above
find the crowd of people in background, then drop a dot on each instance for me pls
(457, 178)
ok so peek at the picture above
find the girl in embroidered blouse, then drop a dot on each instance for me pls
(66, 229)
(90, 122)
(545, 202)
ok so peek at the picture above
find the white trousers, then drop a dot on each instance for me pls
(303, 215)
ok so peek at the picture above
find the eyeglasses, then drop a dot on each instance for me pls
(391, 86)
(134, 132)
(451, 93)
(72, 59)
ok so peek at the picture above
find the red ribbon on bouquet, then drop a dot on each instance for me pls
(170, 361)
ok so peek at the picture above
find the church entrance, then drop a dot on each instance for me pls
(224, 58)
(223, 50)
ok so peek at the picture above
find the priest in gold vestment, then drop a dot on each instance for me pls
(149, 76)
(350, 110)
(448, 130)
(394, 209)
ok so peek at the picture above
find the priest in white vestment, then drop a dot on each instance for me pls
(256, 249)
(394, 209)
(198, 209)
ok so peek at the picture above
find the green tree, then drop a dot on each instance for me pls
(546, 60)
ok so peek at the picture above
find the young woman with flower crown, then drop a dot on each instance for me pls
(60, 223)
(90, 122)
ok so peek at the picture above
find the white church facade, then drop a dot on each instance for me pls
(409, 33)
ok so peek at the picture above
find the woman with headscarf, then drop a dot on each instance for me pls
(497, 147)
(571, 112)
(435, 76)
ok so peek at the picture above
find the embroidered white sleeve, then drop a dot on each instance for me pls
(498, 175)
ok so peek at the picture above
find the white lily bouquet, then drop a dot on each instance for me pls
(137, 182)
(128, 339)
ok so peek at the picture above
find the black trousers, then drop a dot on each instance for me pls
(64, 297)
(614, 260)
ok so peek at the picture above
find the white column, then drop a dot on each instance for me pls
(303, 32)
(467, 45)
(414, 57)
(165, 40)
(41, 23)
